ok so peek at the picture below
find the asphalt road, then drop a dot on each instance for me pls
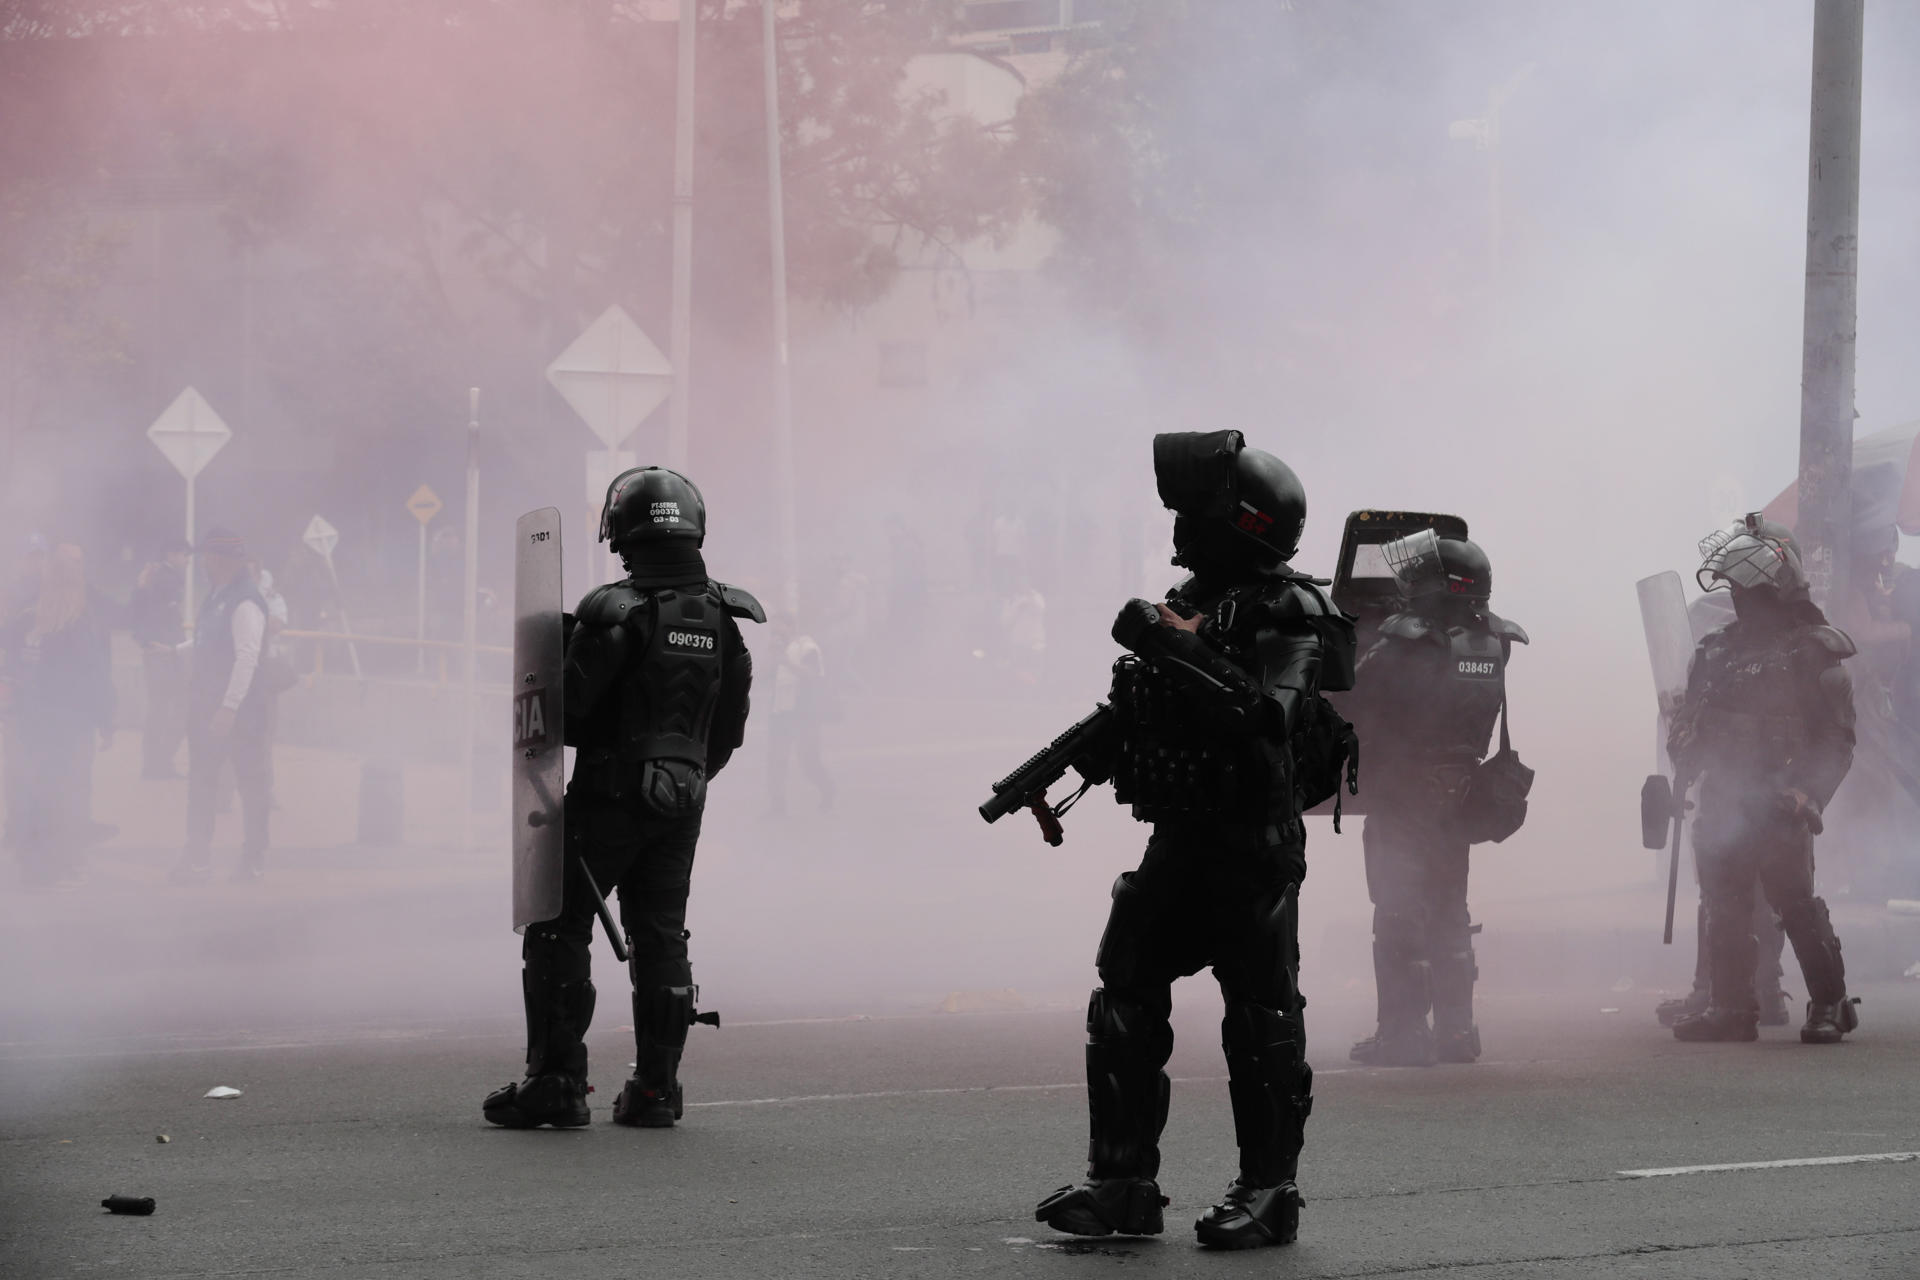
(916, 1146)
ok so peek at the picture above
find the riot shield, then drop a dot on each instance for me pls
(1663, 615)
(539, 833)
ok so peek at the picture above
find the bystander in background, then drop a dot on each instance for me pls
(156, 620)
(801, 704)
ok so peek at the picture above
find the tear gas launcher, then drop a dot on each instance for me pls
(1085, 749)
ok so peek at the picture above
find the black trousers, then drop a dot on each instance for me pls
(1423, 958)
(1738, 853)
(1206, 894)
(249, 750)
(647, 861)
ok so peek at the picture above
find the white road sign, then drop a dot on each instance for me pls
(322, 537)
(189, 433)
(613, 376)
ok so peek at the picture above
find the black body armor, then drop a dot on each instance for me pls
(1209, 732)
(1436, 685)
(656, 697)
(1766, 710)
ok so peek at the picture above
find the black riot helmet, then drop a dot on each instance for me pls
(1235, 508)
(1431, 569)
(652, 505)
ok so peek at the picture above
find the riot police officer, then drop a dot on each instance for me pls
(1767, 728)
(656, 685)
(1218, 723)
(1434, 683)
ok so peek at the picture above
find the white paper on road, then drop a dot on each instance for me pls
(1882, 1157)
(221, 1091)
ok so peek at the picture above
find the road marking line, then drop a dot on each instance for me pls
(923, 1093)
(1883, 1157)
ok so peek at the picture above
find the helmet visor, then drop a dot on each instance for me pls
(1415, 562)
(1737, 558)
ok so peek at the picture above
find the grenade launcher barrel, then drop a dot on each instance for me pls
(1079, 748)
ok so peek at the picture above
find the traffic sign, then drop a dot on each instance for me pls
(189, 433)
(425, 504)
(322, 537)
(613, 376)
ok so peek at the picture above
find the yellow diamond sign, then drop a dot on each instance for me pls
(425, 504)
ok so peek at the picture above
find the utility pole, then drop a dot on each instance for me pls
(470, 621)
(1827, 351)
(782, 368)
(682, 335)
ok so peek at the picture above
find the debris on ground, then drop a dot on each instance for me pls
(137, 1205)
(161, 1137)
(221, 1091)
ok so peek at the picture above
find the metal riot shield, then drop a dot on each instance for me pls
(539, 832)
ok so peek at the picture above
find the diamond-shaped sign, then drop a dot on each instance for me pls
(613, 376)
(189, 433)
(321, 536)
(425, 504)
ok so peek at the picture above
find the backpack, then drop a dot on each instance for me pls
(1326, 752)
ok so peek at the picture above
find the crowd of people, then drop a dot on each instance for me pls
(211, 688)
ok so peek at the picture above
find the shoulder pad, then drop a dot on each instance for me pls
(1295, 599)
(609, 605)
(1834, 641)
(1410, 626)
(740, 603)
(1507, 629)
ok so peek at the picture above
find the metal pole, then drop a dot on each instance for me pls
(470, 621)
(682, 338)
(782, 369)
(346, 623)
(186, 598)
(420, 608)
(1827, 350)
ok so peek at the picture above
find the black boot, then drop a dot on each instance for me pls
(1128, 1044)
(1272, 1091)
(1827, 1023)
(1249, 1217)
(1105, 1207)
(559, 1010)
(653, 1099)
(1403, 983)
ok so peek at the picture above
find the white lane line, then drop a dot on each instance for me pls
(1882, 1157)
(923, 1093)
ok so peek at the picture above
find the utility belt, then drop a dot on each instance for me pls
(664, 786)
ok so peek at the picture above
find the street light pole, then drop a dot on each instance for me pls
(682, 336)
(1827, 343)
(782, 368)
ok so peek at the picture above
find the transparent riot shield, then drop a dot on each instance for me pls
(539, 833)
(1663, 615)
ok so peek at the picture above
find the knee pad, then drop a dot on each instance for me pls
(552, 954)
(1129, 925)
(1249, 1028)
(1400, 934)
(1120, 1022)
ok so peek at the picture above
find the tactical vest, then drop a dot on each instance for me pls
(671, 686)
(1752, 717)
(1455, 682)
(212, 652)
(1174, 756)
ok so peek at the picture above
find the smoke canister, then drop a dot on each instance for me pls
(141, 1205)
